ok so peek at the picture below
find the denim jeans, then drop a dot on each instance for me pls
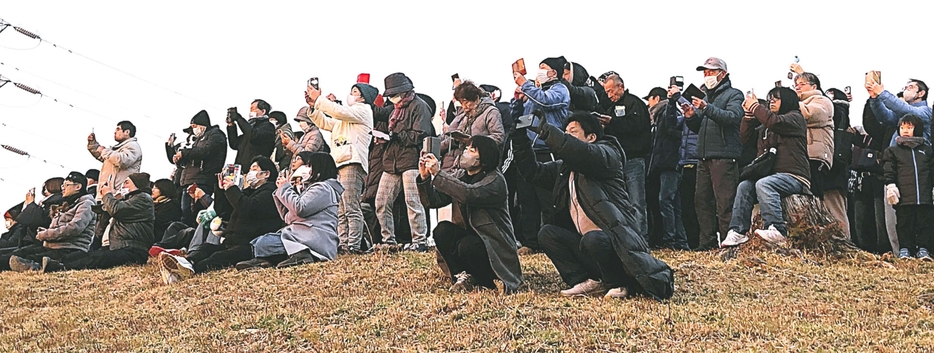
(769, 192)
(634, 175)
(669, 205)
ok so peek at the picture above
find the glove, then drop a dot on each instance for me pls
(891, 194)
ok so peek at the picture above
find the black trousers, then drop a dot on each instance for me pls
(536, 208)
(463, 250)
(579, 258)
(178, 235)
(715, 192)
(215, 257)
(104, 258)
(35, 253)
(688, 213)
(914, 224)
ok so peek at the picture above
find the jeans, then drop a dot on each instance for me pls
(634, 176)
(768, 191)
(349, 215)
(669, 205)
(579, 258)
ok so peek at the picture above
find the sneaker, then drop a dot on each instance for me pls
(177, 265)
(771, 235)
(464, 283)
(733, 239)
(903, 254)
(923, 255)
(252, 264)
(168, 277)
(154, 251)
(49, 265)
(617, 293)
(416, 247)
(588, 288)
(300, 258)
(20, 264)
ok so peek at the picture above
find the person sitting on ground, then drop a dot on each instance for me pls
(593, 241)
(478, 246)
(167, 207)
(909, 170)
(178, 235)
(14, 231)
(781, 126)
(126, 240)
(70, 231)
(35, 212)
(308, 202)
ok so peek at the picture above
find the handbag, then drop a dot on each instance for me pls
(866, 159)
(762, 166)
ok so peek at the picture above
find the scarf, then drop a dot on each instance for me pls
(399, 111)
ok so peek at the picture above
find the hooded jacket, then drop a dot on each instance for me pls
(310, 217)
(132, 223)
(120, 161)
(601, 191)
(204, 159)
(717, 125)
(553, 99)
(351, 130)
(404, 149)
(488, 122)
(258, 139)
(634, 129)
(73, 226)
(484, 203)
(910, 166)
(818, 111)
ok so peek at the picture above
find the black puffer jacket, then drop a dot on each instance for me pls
(717, 125)
(258, 139)
(910, 166)
(402, 152)
(633, 130)
(205, 158)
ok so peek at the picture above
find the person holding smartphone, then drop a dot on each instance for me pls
(200, 162)
(259, 135)
(478, 116)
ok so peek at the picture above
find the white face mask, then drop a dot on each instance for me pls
(542, 76)
(252, 178)
(303, 125)
(396, 99)
(9, 224)
(274, 122)
(123, 191)
(351, 100)
(198, 131)
(252, 115)
(711, 81)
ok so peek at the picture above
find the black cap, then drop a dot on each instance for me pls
(78, 178)
(656, 92)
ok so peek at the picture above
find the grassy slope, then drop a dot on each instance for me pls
(399, 302)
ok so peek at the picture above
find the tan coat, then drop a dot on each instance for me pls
(119, 162)
(818, 112)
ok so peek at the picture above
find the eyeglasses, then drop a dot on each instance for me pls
(774, 100)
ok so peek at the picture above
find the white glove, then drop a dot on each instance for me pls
(891, 194)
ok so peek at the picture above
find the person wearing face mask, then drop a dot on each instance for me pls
(350, 125)
(478, 116)
(478, 246)
(312, 139)
(200, 162)
(35, 211)
(14, 231)
(250, 212)
(281, 154)
(309, 209)
(716, 119)
(593, 241)
(259, 135)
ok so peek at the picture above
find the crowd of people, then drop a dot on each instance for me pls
(574, 166)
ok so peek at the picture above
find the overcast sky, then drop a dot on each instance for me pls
(212, 55)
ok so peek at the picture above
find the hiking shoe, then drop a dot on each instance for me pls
(903, 254)
(20, 264)
(617, 293)
(771, 235)
(923, 255)
(588, 288)
(49, 265)
(464, 283)
(300, 258)
(733, 239)
(251, 264)
(177, 265)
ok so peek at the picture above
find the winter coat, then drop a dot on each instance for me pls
(487, 123)
(375, 156)
(717, 125)
(889, 109)
(312, 139)
(351, 129)
(33, 216)
(839, 175)
(667, 140)
(688, 150)
(583, 97)
(120, 161)
(553, 99)
(634, 129)
(72, 227)
(484, 203)
(252, 212)
(205, 158)
(601, 191)
(132, 222)
(311, 218)
(404, 149)
(258, 139)
(167, 210)
(282, 155)
(818, 111)
(910, 166)
(787, 133)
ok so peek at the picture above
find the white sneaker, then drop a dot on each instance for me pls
(772, 235)
(733, 239)
(617, 293)
(176, 265)
(586, 289)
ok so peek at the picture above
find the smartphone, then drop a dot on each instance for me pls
(676, 81)
(524, 121)
(750, 92)
(432, 145)
(846, 89)
(778, 83)
(797, 60)
(519, 66)
(454, 77)
(313, 82)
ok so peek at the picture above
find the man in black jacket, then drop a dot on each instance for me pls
(592, 242)
(663, 168)
(200, 163)
(625, 117)
(580, 87)
(259, 135)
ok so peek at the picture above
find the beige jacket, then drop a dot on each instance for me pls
(119, 162)
(350, 129)
(818, 112)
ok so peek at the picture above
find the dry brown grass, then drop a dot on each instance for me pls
(759, 301)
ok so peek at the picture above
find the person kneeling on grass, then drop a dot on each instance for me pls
(309, 207)
(478, 246)
(592, 242)
(909, 177)
(71, 229)
(126, 240)
(252, 213)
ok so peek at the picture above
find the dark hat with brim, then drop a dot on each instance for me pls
(397, 83)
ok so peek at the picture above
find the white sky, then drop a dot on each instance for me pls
(228, 53)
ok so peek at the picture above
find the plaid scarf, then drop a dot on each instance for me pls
(400, 108)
